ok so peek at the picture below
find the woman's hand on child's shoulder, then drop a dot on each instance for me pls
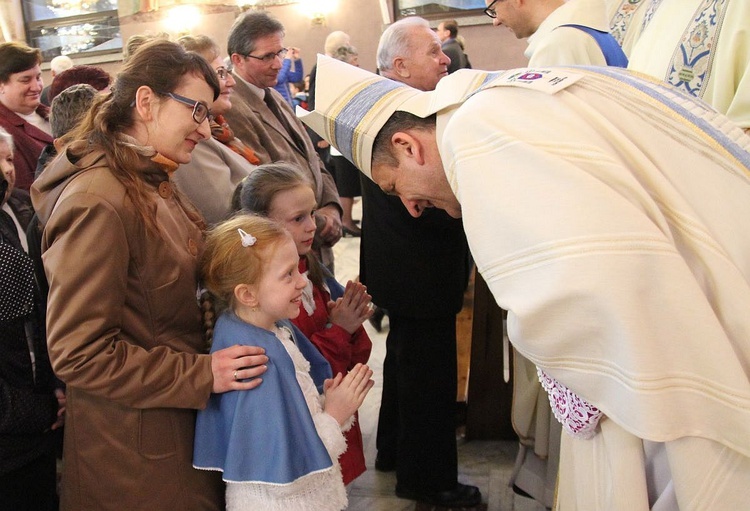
(352, 309)
(345, 394)
(237, 368)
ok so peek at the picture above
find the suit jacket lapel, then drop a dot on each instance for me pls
(252, 103)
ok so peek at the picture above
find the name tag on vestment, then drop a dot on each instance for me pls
(548, 81)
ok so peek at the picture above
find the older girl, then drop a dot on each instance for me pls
(283, 193)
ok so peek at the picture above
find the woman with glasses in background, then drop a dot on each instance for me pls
(221, 162)
(121, 249)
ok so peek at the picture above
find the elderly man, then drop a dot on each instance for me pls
(263, 120)
(56, 66)
(401, 256)
(560, 31)
(607, 215)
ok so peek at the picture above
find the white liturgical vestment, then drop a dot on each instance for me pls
(610, 220)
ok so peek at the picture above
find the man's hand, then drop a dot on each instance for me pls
(328, 220)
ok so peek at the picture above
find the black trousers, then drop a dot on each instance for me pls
(417, 422)
(32, 487)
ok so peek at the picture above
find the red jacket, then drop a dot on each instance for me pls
(28, 142)
(343, 351)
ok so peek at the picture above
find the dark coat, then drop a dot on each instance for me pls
(459, 60)
(28, 406)
(414, 267)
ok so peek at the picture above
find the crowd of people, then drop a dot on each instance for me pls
(171, 323)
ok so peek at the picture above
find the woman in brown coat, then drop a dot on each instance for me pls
(124, 327)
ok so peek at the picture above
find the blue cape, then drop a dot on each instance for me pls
(266, 434)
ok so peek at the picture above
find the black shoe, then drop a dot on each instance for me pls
(376, 320)
(385, 463)
(355, 232)
(519, 491)
(463, 495)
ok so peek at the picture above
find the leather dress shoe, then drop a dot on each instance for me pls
(463, 495)
(351, 232)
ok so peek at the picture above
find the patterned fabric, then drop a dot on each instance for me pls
(17, 289)
(622, 18)
(650, 13)
(221, 131)
(577, 417)
(691, 62)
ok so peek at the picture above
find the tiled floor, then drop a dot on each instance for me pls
(487, 465)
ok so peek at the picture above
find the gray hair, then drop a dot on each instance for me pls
(69, 107)
(60, 64)
(345, 53)
(6, 138)
(335, 40)
(250, 27)
(202, 45)
(395, 41)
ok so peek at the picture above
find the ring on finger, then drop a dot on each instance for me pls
(235, 374)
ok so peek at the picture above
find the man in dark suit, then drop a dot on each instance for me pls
(417, 269)
(447, 32)
(263, 120)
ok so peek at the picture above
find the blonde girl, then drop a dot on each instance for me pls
(278, 445)
(330, 316)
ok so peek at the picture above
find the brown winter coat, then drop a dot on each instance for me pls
(124, 333)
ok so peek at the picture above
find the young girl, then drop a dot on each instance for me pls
(283, 193)
(277, 445)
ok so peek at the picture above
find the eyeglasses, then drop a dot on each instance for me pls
(200, 109)
(268, 57)
(489, 11)
(222, 73)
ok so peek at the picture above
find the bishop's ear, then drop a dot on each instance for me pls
(406, 145)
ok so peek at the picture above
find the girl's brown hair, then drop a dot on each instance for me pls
(256, 192)
(160, 65)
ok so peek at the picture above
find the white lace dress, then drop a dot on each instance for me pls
(319, 491)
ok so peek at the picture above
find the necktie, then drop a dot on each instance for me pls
(274, 107)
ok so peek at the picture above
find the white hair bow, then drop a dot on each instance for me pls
(248, 240)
